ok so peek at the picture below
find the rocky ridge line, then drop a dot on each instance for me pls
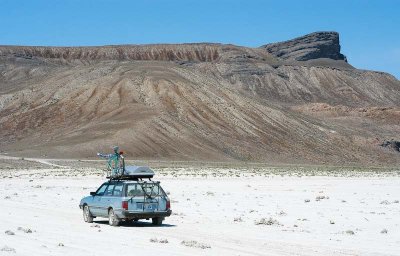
(312, 46)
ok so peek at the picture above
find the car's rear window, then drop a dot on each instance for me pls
(148, 189)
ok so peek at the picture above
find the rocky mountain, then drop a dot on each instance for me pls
(293, 102)
(309, 47)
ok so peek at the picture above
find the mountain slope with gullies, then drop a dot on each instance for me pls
(295, 102)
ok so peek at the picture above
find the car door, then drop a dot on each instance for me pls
(106, 200)
(153, 197)
(95, 205)
(136, 197)
(116, 199)
(143, 197)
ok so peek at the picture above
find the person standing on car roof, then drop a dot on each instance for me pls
(115, 162)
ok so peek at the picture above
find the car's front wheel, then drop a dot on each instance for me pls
(112, 218)
(87, 216)
(157, 221)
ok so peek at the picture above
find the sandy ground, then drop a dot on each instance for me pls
(224, 211)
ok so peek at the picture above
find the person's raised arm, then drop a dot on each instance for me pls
(107, 156)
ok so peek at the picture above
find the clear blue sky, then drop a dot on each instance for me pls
(369, 30)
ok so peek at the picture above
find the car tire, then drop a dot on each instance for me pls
(112, 218)
(87, 216)
(157, 221)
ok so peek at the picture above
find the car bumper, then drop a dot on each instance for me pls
(143, 215)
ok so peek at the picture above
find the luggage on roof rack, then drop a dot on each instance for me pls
(131, 172)
(138, 171)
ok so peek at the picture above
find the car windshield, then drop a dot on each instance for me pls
(101, 190)
(143, 189)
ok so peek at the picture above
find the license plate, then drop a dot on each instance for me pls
(146, 206)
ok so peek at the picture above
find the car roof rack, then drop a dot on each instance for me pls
(134, 173)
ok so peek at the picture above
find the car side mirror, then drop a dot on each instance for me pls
(92, 193)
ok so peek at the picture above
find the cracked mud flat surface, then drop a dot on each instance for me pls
(216, 211)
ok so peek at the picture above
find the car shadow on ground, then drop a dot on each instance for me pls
(135, 224)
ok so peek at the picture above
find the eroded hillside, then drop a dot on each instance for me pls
(198, 102)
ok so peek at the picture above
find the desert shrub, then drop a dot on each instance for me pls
(195, 244)
(269, 222)
(161, 241)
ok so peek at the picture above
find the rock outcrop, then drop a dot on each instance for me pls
(309, 47)
(312, 46)
(392, 144)
(157, 52)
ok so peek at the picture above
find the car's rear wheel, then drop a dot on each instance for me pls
(87, 216)
(157, 221)
(112, 218)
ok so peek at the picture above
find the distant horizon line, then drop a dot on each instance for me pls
(174, 43)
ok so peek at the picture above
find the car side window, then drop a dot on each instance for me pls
(118, 190)
(109, 190)
(101, 190)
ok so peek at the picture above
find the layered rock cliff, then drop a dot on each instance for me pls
(186, 52)
(312, 46)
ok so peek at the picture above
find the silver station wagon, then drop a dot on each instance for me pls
(129, 197)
